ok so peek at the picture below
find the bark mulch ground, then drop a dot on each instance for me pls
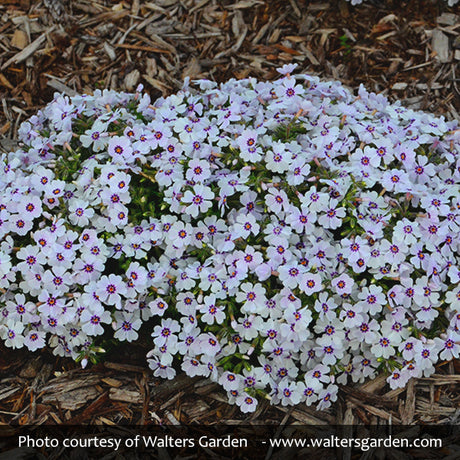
(408, 50)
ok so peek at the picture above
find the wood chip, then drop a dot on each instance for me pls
(307, 418)
(245, 4)
(31, 369)
(439, 379)
(157, 84)
(295, 8)
(5, 128)
(27, 51)
(110, 51)
(61, 87)
(72, 400)
(440, 44)
(19, 39)
(4, 82)
(7, 392)
(198, 6)
(142, 48)
(124, 395)
(448, 19)
(132, 79)
(171, 419)
(112, 382)
(124, 367)
(400, 86)
(159, 41)
(193, 69)
(408, 409)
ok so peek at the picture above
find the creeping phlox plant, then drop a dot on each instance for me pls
(281, 238)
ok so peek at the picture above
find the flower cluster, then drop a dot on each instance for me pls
(279, 238)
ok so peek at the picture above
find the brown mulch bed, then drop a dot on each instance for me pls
(409, 50)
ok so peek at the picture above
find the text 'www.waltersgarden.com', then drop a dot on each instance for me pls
(364, 444)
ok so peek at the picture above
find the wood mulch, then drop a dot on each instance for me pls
(408, 50)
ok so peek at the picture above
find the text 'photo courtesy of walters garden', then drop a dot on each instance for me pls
(281, 238)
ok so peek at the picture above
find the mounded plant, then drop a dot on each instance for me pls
(280, 238)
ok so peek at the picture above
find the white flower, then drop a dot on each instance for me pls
(126, 326)
(383, 348)
(290, 274)
(311, 283)
(180, 235)
(30, 206)
(342, 284)
(95, 136)
(137, 276)
(245, 225)
(110, 288)
(199, 200)
(286, 69)
(290, 392)
(120, 149)
(398, 379)
(11, 333)
(247, 143)
(327, 396)
(92, 322)
(426, 354)
(198, 170)
(449, 348)
(165, 333)
(57, 280)
(208, 344)
(212, 313)
(246, 403)
(276, 200)
(333, 215)
(158, 306)
(34, 340)
(252, 297)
